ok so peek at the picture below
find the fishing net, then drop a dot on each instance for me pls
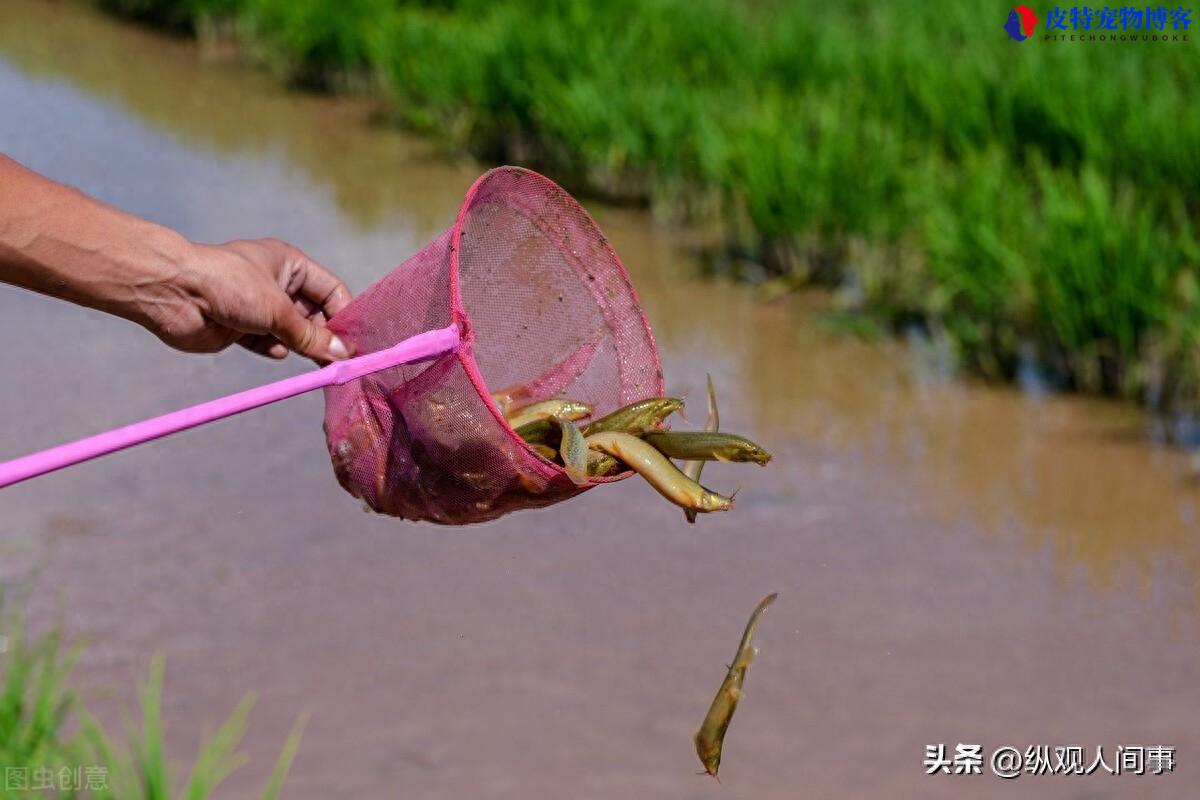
(541, 301)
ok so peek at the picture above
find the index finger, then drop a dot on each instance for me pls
(322, 287)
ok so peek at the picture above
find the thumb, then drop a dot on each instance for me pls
(305, 336)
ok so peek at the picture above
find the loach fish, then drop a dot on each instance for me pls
(658, 471)
(553, 380)
(600, 465)
(711, 736)
(693, 468)
(511, 397)
(636, 417)
(545, 409)
(540, 431)
(707, 446)
(574, 451)
(544, 450)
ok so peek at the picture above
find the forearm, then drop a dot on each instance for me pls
(264, 294)
(57, 241)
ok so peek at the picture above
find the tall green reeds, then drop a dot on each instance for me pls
(1018, 196)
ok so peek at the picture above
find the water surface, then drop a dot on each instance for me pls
(956, 563)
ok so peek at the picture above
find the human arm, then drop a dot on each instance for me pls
(264, 294)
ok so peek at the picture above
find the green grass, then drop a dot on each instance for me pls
(44, 725)
(36, 701)
(1011, 195)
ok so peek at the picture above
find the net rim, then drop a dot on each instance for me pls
(548, 469)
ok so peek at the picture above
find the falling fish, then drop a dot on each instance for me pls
(711, 735)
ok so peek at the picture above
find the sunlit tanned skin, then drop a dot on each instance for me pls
(263, 294)
(711, 736)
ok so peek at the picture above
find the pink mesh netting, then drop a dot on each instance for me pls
(541, 301)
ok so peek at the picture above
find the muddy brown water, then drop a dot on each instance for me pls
(955, 563)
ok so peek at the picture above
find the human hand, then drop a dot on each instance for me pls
(261, 293)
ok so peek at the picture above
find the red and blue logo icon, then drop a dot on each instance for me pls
(1020, 24)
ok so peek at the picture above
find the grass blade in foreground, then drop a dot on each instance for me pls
(38, 706)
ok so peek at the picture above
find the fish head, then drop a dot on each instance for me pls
(711, 501)
(710, 755)
(759, 456)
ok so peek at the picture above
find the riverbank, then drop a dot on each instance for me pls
(1032, 202)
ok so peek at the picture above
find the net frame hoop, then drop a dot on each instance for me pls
(465, 353)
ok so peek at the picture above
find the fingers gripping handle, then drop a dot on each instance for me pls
(421, 347)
